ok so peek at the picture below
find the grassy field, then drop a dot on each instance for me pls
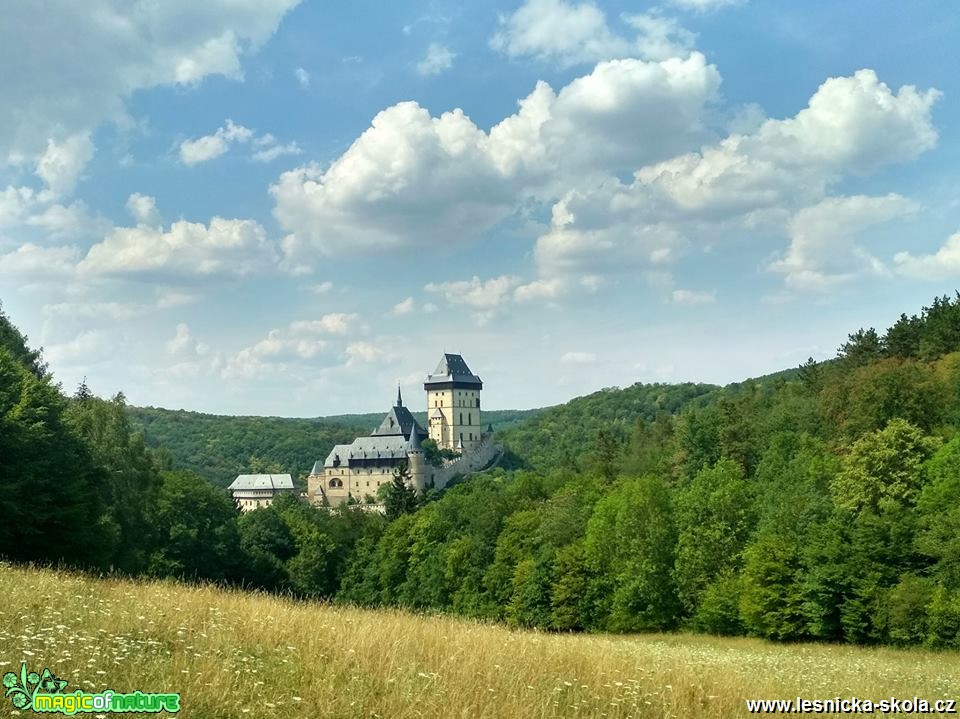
(232, 654)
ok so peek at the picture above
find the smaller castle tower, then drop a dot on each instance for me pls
(416, 462)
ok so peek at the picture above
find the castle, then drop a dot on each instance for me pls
(355, 471)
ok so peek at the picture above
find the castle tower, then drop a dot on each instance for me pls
(416, 462)
(453, 405)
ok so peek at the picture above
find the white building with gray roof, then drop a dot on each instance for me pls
(251, 491)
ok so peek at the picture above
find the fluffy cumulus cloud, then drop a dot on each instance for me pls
(941, 265)
(208, 147)
(70, 66)
(823, 249)
(303, 342)
(266, 148)
(222, 247)
(337, 323)
(30, 260)
(565, 33)
(416, 179)
(62, 162)
(143, 209)
(439, 58)
(475, 292)
(851, 126)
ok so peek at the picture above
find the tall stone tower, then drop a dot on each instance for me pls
(453, 405)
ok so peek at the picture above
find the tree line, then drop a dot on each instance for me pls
(817, 504)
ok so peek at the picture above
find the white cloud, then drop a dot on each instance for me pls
(202, 149)
(660, 37)
(438, 59)
(85, 348)
(578, 358)
(942, 265)
(693, 297)
(61, 164)
(404, 307)
(223, 247)
(358, 352)
(333, 323)
(85, 59)
(181, 339)
(273, 353)
(322, 288)
(31, 260)
(208, 147)
(558, 31)
(298, 343)
(475, 292)
(143, 209)
(541, 290)
(303, 77)
(415, 179)
(823, 250)
(851, 126)
(705, 5)
(271, 153)
(59, 222)
(14, 204)
(564, 33)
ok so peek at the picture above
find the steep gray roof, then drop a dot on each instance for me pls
(399, 421)
(383, 447)
(262, 481)
(413, 444)
(453, 368)
(317, 468)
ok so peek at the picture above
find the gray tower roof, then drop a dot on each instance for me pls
(398, 421)
(452, 372)
(413, 444)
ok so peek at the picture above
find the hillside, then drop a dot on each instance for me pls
(561, 436)
(232, 654)
(219, 447)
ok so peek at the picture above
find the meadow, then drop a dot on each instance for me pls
(237, 654)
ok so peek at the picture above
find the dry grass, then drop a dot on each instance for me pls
(232, 654)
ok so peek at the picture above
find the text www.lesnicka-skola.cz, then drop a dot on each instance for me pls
(852, 705)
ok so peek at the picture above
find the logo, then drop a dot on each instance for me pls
(46, 693)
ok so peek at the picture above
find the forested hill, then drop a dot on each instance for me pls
(219, 448)
(564, 436)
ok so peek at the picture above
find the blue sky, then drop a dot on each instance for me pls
(282, 207)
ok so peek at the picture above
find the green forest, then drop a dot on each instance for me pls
(820, 503)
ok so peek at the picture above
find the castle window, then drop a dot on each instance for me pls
(461, 418)
(478, 402)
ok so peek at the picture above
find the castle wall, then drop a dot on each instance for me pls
(485, 452)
